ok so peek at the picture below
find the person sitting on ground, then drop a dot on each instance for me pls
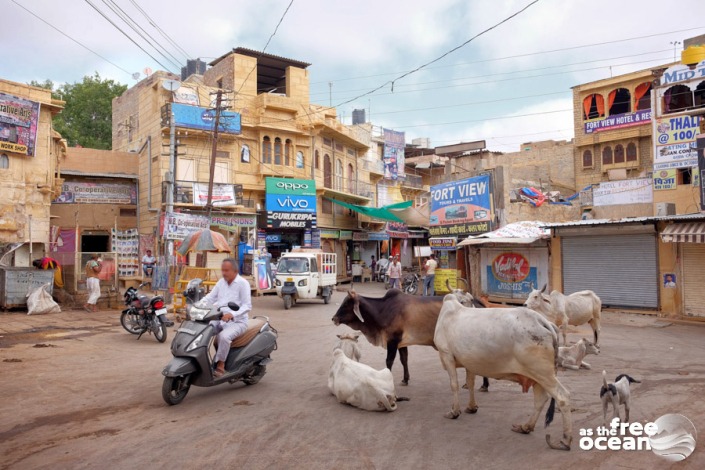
(93, 268)
(148, 262)
(231, 288)
(50, 263)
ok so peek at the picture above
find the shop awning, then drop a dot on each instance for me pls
(520, 233)
(693, 232)
(382, 213)
(481, 241)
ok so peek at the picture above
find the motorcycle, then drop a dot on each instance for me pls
(193, 363)
(144, 315)
(410, 284)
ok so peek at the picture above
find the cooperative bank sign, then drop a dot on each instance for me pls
(197, 117)
(290, 195)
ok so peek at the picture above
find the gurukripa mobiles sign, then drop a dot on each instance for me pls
(291, 203)
(198, 117)
(461, 207)
(19, 120)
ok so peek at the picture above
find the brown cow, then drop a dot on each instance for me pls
(394, 321)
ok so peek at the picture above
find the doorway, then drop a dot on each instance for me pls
(95, 243)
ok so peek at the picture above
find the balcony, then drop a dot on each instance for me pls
(413, 181)
(341, 188)
(195, 194)
(373, 166)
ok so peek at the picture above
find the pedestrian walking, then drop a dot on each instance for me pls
(394, 273)
(93, 268)
(428, 281)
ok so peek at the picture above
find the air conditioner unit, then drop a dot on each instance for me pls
(665, 208)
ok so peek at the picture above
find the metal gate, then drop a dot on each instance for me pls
(621, 269)
(694, 279)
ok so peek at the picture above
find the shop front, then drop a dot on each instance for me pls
(688, 284)
(291, 214)
(447, 274)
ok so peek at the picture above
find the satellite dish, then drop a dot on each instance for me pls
(136, 75)
(147, 71)
(171, 85)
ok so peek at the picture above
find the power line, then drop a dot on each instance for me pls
(486, 119)
(125, 34)
(160, 30)
(69, 37)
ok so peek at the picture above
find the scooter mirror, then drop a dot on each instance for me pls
(233, 306)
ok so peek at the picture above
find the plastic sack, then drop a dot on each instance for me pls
(39, 302)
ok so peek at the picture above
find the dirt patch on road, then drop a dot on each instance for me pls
(50, 333)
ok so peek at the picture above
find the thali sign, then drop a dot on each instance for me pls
(675, 142)
(664, 179)
(461, 207)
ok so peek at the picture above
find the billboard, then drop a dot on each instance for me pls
(79, 192)
(198, 117)
(664, 179)
(513, 273)
(223, 194)
(393, 158)
(291, 203)
(618, 121)
(19, 120)
(461, 207)
(177, 226)
(633, 191)
(674, 142)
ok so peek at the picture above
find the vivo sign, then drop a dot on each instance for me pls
(292, 203)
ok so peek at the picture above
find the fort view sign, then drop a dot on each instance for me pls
(619, 121)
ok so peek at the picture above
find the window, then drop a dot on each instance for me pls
(287, 152)
(339, 146)
(185, 169)
(4, 162)
(619, 101)
(631, 152)
(277, 151)
(642, 96)
(327, 172)
(619, 153)
(587, 159)
(678, 98)
(351, 178)
(351, 152)
(607, 156)
(699, 95)
(266, 150)
(300, 163)
(339, 174)
(593, 107)
(327, 142)
(317, 160)
(685, 176)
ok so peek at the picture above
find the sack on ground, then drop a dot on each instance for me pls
(39, 302)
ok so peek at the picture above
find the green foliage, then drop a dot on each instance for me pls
(88, 113)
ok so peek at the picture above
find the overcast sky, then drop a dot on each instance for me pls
(357, 45)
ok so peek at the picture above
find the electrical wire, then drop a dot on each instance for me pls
(69, 37)
(160, 30)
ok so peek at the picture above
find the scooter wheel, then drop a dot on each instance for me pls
(256, 376)
(174, 389)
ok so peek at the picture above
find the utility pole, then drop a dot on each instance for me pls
(172, 163)
(214, 151)
(330, 94)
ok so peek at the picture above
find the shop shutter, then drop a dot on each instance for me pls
(694, 279)
(621, 269)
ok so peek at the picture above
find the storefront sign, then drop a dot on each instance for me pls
(664, 179)
(394, 143)
(273, 238)
(177, 226)
(417, 234)
(445, 277)
(78, 192)
(346, 235)
(290, 220)
(461, 207)
(378, 236)
(328, 233)
(700, 143)
(197, 117)
(443, 243)
(397, 230)
(675, 142)
(315, 238)
(186, 95)
(513, 273)
(19, 120)
(618, 121)
(633, 191)
(682, 73)
(307, 238)
(291, 202)
(223, 194)
(229, 222)
(360, 236)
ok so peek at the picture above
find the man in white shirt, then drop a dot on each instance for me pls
(231, 288)
(148, 263)
(428, 282)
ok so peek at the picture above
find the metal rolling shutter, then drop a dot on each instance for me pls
(621, 269)
(694, 279)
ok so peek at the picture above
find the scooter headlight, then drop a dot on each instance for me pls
(195, 343)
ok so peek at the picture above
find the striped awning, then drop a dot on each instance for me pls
(693, 232)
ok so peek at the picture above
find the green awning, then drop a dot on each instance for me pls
(382, 213)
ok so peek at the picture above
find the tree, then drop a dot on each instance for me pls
(87, 117)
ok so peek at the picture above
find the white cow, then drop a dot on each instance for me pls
(572, 357)
(563, 310)
(358, 384)
(515, 344)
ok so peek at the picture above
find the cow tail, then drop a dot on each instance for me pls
(551, 411)
(386, 401)
(555, 348)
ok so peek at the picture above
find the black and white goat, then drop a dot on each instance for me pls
(617, 393)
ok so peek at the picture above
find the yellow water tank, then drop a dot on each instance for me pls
(693, 55)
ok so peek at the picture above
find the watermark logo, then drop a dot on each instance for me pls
(671, 437)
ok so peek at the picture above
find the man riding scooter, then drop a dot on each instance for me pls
(231, 288)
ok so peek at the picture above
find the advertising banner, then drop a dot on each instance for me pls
(378, 236)
(634, 191)
(223, 194)
(291, 203)
(619, 120)
(360, 236)
(186, 95)
(397, 230)
(232, 222)
(78, 192)
(273, 238)
(19, 120)
(177, 226)
(445, 275)
(675, 142)
(681, 73)
(515, 273)
(443, 243)
(461, 207)
(198, 117)
(393, 158)
(664, 179)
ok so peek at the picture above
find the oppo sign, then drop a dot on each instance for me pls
(290, 195)
(292, 186)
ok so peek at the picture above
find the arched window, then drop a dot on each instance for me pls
(266, 150)
(277, 151)
(607, 156)
(593, 107)
(4, 162)
(642, 96)
(699, 95)
(300, 163)
(619, 101)
(339, 174)
(677, 98)
(587, 159)
(631, 152)
(351, 178)
(317, 160)
(327, 172)
(619, 153)
(287, 152)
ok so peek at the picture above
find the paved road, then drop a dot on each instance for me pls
(92, 398)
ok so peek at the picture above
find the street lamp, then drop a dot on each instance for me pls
(675, 45)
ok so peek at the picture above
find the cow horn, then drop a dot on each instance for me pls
(448, 285)
(544, 288)
(356, 309)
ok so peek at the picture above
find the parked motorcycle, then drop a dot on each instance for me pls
(144, 314)
(193, 362)
(410, 283)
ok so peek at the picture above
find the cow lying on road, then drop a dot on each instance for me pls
(571, 357)
(515, 344)
(358, 384)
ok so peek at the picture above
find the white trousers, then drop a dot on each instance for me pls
(93, 286)
(227, 332)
